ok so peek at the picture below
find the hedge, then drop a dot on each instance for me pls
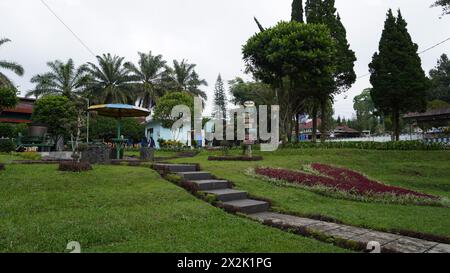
(371, 145)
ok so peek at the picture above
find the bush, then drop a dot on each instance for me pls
(370, 145)
(2, 167)
(170, 144)
(6, 130)
(73, 166)
(7, 146)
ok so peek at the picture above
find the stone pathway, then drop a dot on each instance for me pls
(238, 201)
(389, 242)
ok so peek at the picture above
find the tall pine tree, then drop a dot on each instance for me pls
(220, 98)
(398, 80)
(297, 11)
(324, 12)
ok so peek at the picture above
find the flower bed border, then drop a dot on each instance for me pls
(386, 198)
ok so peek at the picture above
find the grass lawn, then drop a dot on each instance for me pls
(423, 171)
(123, 209)
(7, 158)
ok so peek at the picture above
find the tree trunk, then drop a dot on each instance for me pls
(323, 117)
(314, 121)
(297, 128)
(396, 125)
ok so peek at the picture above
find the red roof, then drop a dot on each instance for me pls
(25, 106)
(309, 124)
(13, 120)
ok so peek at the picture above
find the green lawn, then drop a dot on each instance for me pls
(123, 209)
(424, 171)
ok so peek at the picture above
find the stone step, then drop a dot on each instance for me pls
(177, 167)
(210, 184)
(226, 195)
(247, 206)
(189, 176)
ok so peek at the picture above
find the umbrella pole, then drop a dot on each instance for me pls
(119, 125)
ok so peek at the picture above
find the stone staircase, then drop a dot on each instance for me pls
(231, 199)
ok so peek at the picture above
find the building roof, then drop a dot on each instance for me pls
(309, 124)
(345, 129)
(25, 106)
(430, 115)
(20, 114)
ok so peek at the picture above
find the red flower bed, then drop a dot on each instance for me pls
(339, 178)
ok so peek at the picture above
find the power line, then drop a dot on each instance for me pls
(421, 52)
(436, 45)
(68, 28)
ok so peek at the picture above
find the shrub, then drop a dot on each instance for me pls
(6, 130)
(170, 144)
(2, 167)
(73, 166)
(7, 146)
(371, 145)
(29, 156)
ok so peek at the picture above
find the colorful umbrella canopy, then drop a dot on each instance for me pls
(119, 110)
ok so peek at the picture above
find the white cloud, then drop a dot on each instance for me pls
(209, 33)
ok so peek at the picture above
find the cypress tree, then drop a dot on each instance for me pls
(297, 11)
(398, 80)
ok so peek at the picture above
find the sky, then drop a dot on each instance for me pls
(209, 33)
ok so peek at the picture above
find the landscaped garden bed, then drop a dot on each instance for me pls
(235, 158)
(345, 183)
(73, 166)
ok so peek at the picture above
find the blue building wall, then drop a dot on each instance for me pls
(157, 131)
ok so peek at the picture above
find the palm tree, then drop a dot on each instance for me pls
(150, 73)
(184, 77)
(110, 81)
(63, 79)
(14, 67)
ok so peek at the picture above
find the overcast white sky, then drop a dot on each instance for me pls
(209, 33)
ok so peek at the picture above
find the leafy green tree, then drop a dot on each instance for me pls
(163, 110)
(445, 4)
(398, 80)
(365, 112)
(56, 112)
(324, 12)
(183, 77)
(8, 97)
(220, 97)
(296, 60)
(110, 81)
(258, 92)
(440, 80)
(63, 79)
(12, 66)
(437, 104)
(297, 11)
(150, 72)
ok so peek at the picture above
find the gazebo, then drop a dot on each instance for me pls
(119, 111)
